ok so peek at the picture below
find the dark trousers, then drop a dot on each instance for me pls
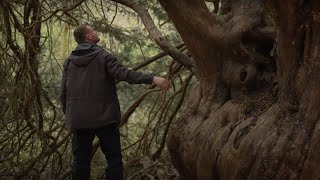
(109, 137)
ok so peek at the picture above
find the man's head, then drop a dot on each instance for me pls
(85, 33)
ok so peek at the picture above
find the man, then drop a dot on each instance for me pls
(90, 103)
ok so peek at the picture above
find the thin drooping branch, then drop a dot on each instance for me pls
(10, 41)
(26, 103)
(157, 35)
(133, 107)
(157, 154)
(154, 58)
(64, 10)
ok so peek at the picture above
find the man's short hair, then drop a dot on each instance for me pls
(80, 33)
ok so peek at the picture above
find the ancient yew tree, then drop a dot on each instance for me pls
(255, 113)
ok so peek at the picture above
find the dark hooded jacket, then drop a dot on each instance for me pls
(88, 89)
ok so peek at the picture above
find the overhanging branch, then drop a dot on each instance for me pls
(157, 35)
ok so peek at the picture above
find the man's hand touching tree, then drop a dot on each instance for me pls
(161, 82)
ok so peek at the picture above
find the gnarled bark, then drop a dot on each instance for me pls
(253, 115)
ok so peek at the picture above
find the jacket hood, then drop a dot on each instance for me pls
(84, 54)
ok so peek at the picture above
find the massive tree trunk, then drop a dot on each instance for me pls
(253, 115)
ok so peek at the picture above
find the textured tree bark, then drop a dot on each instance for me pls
(253, 115)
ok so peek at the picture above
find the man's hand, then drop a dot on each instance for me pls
(161, 82)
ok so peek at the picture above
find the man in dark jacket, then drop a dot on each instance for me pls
(90, 103)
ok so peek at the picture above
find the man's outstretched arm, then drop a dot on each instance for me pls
(122, 73)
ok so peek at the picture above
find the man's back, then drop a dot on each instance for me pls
(91, 93)
(91, 97)
(89, 100)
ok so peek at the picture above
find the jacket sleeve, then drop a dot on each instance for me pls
(63, 87)
(121, 73)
